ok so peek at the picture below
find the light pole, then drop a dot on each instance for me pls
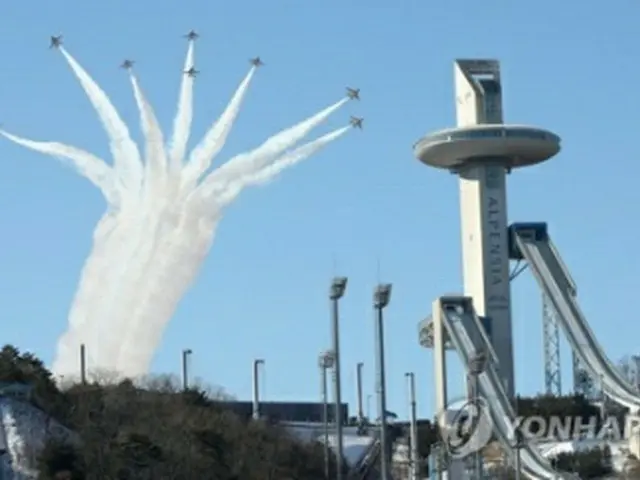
(381, 297)
(518, 444)
(256, 387)
(325, 362)
(338, 287)
(413, 431)
(83, 364)
(603, 403)
(186, 353)
(359, 368)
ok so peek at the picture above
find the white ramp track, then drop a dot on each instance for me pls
(534, 244)
(469, 339)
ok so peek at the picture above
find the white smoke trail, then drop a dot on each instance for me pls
(158, 295)
(102, 176)
(131, 248)
(265, 153)
(135, 240)
(85, 316)
(86, 164)
(125, 153)
(155, 158)
(226, 190)
(216, 137)
(175, 266)
(133, 243)
(182, 122)
(149, 246)
(268, 173)
(128, 174)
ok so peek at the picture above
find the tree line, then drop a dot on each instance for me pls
(154, 429)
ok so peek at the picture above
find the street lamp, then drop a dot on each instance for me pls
(359, 394)
(413, 430)
(336, 292)
(325, 362)
(518, 444)
(256, 387)
(186, 353)
(381, 297)
(83, 364)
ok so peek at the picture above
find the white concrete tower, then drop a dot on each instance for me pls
(482, 150)
(483, 211)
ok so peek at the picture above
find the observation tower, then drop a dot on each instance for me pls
(481, 150)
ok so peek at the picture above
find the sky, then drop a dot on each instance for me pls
(363, 208)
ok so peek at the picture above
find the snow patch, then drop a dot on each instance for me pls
(355, 446)
(24, 429)
(619, 450)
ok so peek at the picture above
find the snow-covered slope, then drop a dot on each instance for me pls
(619, 450)
(355, 446)
(621, 460)
(24, 430)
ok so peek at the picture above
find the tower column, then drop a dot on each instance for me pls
(485, 256)
(483, 210)
(482, 150)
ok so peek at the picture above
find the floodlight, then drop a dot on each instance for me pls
(382, 295)
(322, 361)
(425, 332)
(338, 287)
(326, 359)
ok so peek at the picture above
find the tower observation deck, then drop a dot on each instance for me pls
(481, 150)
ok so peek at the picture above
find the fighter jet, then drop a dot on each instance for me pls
(56, 41)
(256, 62)
(192, 35)
(192, 72)
(127, 64)
(356, 122)
(353, 93)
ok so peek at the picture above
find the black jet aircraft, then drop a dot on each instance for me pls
(127, 64)
(353, 93)
(56, 41)
(256, 62)
(192, 72)
(356, 122)
(192, 35)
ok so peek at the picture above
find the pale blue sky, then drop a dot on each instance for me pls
(567, 66)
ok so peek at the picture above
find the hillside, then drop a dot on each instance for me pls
(122, 431)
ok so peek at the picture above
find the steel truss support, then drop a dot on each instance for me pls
(551, 345)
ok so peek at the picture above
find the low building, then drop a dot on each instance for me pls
(311, 412)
